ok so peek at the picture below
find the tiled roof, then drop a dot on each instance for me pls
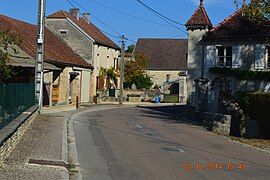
(199, 18)
(56, 52)
(89, 28)
(238, 26)
(164, 54)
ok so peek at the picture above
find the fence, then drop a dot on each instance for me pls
(15, 98)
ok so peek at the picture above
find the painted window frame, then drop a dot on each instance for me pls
(267, 56)
(225, 56)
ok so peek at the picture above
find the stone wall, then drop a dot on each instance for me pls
(218, 123)
(74, 38)
(159, 77)
(13, 132)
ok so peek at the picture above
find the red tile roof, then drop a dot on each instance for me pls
(164, 54)
(56, 52)
(199, 18)
(238, 26)
(89, 28)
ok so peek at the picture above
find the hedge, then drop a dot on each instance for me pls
(257, 106)
(241, 74)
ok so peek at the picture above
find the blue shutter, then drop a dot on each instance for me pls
(236, 57)
(210, 56)
(259, 56)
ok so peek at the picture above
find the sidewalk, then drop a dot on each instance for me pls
(42, 152)
(45, 142)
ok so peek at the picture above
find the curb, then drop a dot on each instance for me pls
(71, 140)
(73, 155)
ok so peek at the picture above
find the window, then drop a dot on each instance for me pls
(168, 76)
(63, 32)
(115, 63)
(224, 56)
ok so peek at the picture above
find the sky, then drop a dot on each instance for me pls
(116, 23)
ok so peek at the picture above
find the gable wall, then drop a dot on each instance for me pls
(74, 38)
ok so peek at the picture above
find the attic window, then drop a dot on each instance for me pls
(63, 32)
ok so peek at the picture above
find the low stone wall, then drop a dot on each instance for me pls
(218, 123)
(12, 133)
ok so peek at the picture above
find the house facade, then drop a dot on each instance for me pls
(167, 61)
(63, 69)
(86, 40)
(235, 44)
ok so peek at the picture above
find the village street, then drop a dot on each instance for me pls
(154, 143)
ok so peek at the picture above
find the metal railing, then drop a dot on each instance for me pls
(15, 98)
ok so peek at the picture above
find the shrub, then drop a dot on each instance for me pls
(257, 105)
(241, 74)
(143, 81)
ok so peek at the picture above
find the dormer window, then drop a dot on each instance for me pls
(63, 31)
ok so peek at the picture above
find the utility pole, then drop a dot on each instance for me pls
(122, 70)
(39, 76)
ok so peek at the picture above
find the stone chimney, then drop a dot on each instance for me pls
(75, 12)
(244, 3)
(86, 16)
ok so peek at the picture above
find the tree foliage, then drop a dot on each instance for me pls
(7, 39)
(258, 11)
(135, 72)
(130, 48)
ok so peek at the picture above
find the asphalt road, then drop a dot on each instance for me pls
(154, 143)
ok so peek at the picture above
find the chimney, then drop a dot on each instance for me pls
(75, 12)
(244, 3)
(86, 16)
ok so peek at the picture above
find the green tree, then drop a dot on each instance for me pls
(130, 48)
(258, 11)
(135, 72)
(7, 39)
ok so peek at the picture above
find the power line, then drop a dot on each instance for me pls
(158, 13)
(119, 37)
(129, 15)
(163, 17)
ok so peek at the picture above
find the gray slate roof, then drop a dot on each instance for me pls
(164, 54)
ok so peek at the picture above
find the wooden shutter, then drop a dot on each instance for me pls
(55, 93)
(210, 56)
(259, 56)
(236, 57)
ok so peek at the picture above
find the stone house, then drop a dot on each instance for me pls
(63, 68)
(167, 61)
(85, 39)
(235, 44)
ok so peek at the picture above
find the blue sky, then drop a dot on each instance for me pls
(178, 10)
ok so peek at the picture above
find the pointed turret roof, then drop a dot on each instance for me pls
(199, 19)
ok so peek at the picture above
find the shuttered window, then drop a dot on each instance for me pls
(224, 56)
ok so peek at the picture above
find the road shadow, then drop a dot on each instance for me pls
(169, 114)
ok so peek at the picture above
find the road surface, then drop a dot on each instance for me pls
(154, 143)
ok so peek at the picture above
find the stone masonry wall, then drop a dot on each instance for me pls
(77, 41)
(11, 143)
